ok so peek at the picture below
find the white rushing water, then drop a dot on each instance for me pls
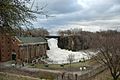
(59, 56)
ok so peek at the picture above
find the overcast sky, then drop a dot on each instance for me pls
(90, 15)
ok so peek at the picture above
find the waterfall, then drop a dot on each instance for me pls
(59, 56)
(52, 43)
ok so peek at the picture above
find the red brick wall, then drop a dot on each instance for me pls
(5, 47)
(15, 47)
(34, 51)
(0, 48)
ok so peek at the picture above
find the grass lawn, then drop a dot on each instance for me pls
(75, 66)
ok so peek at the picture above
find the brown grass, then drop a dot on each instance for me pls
(105, 75)
(8, 76)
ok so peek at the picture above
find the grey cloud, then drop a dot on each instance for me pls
(61, 6)
(66, 12)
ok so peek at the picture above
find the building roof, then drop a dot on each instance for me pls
(26, 40)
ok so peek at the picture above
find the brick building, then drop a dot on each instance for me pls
(22, 48)
(5, 47)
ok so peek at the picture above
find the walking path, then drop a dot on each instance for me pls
(36, 70)
(26, 68)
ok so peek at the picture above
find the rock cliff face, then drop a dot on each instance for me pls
(74, 43)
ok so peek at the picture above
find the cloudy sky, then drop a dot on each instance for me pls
(90, 15)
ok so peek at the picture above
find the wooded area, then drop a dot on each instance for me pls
(105, 43)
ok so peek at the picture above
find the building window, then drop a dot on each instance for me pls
(8, 55)
(2, 55)
(18, 51)
(13, 50)
(2, 50)
(13, 40)
(37, 44)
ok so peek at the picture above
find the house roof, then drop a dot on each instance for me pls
(32, 40)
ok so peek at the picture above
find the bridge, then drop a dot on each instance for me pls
(52, 36)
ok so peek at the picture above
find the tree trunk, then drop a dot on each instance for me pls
(70, 66)
(115, 77)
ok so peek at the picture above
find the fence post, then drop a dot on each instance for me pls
(76, 76)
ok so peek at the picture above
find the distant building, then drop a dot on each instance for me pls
(22, 48)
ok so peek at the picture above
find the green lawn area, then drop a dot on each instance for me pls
(64, 66)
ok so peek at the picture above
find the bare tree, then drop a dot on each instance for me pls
(16, 13)
(70, 59)
(108, 47)
(39, 32)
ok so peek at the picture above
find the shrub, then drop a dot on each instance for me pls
(62, 65)
(46, 65)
